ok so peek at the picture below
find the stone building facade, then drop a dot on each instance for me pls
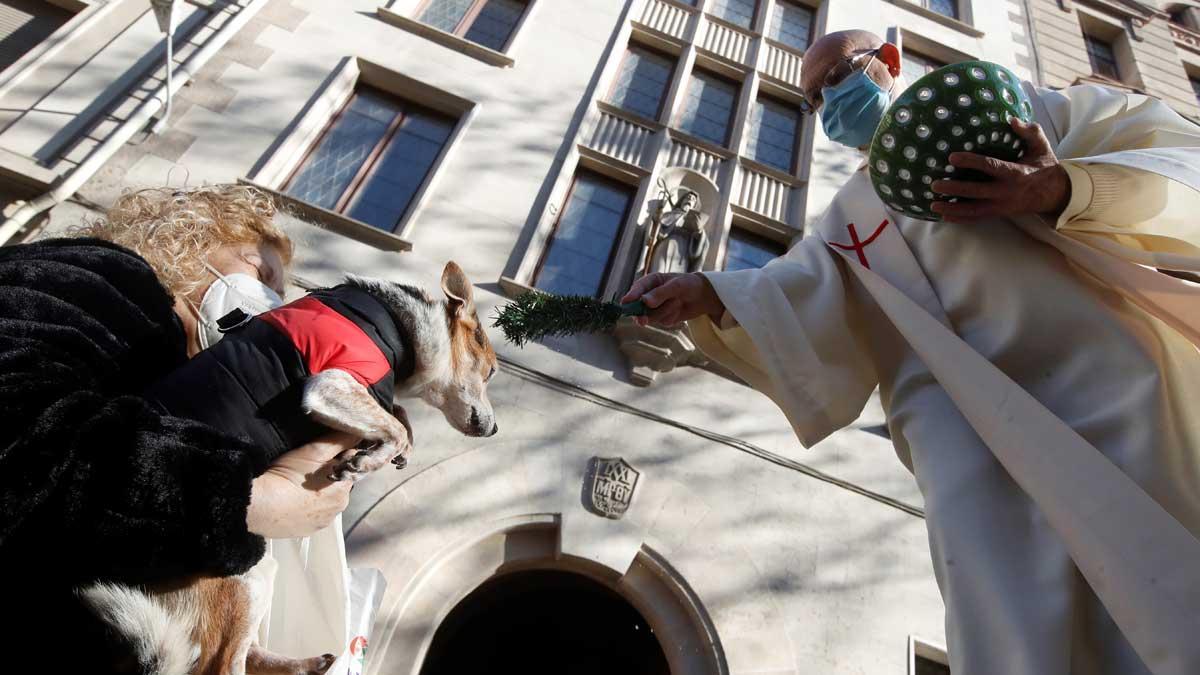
(525, 140)
(1148, 47)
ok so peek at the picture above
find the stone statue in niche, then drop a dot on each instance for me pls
(680, 242)
(676, 240)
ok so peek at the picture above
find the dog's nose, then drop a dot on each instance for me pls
(495, 429)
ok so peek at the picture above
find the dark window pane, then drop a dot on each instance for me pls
(578, 255)
(708, 108)
(401, 170)
(495, 23)
(1195, 87)
(791, 24)
(926, 667)
(642, 82)
(1104, 60)
(737, 12)
(944, 7)
(750, 251)
(914, 66)
(772, 134)
(333, 164)
(445, 14)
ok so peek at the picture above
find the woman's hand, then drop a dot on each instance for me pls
(675, 298)
(295, 497)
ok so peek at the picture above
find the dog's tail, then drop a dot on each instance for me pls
(160, 638)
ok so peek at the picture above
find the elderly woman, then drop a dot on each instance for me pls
(95, 483)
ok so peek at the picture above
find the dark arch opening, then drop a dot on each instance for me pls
(544, 621)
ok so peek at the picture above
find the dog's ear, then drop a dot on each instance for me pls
(457, 288)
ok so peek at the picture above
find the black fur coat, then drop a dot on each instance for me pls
(94, 484)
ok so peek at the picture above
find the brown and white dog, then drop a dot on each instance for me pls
(206, 626)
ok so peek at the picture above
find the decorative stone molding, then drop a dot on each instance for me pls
(653, 350)
(1185, 38)
(523, 512)
(448, 40)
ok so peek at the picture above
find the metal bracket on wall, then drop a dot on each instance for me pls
(1132, 26)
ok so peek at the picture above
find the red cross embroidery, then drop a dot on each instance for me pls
(859, 247)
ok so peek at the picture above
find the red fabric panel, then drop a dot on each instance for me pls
(326, 339)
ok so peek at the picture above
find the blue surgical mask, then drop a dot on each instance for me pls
(853, 109)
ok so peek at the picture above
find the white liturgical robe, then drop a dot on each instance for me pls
(1041, 380)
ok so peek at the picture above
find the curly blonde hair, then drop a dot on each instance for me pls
(176, 230)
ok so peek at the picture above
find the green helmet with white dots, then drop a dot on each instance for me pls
(964, 107)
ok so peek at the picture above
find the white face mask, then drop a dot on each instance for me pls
(227, 294)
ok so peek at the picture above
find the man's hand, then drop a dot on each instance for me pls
(675, 298)
(1036, 184)
(295, 498)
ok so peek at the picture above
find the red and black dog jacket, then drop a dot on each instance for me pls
(251, 382)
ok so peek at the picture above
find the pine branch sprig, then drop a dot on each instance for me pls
(537, 315)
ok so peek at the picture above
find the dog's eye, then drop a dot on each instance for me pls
(491, 374)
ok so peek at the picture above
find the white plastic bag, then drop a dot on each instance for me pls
(318, 604)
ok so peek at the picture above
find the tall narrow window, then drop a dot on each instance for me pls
(580, 253)
(24, 24)
(773, 134)
(1195, 86)
(750, 251)
(708, 107)
(642, 81)
(372, 159)
(1103, 57)
(944, 7)
(736, 12)
(915, 65)
(487, 22)
(791, 24)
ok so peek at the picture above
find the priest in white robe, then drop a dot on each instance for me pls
(1039, 371)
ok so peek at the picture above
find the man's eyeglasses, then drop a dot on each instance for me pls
(844, 68)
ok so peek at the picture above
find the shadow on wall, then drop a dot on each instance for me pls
(808, 555)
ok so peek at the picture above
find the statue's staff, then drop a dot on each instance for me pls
(652, 246)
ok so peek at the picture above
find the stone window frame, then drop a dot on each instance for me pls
(908, 39)
(756, 228)
(919, 647)
(1116, 30)
(280, 162)
(619, 268)
(402, 14)
(965, 23)
(736, 116)
(633, 44)
(772, 9)
(759, 9)
(620, 235)
(402, 110)
(798, 140)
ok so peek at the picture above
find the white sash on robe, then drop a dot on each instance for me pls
(1140, 561)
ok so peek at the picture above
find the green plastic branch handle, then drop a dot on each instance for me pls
(635, 308)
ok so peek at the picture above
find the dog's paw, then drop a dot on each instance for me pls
(317, 665)
(363, 462)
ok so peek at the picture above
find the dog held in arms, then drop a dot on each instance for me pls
(333, 359)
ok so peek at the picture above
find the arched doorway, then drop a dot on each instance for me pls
(545, 621)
